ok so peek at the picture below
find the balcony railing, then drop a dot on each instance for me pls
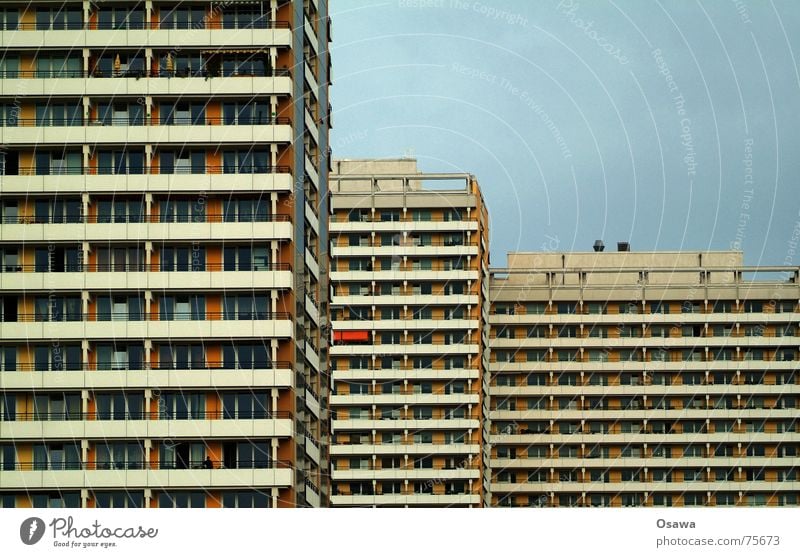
(139, 416)
(207, 24)
(76, 170)
(94, 316)
(11, 122)
(138, 73)
(207, 365)
(267, 464)
(145, 268)
(139, 219)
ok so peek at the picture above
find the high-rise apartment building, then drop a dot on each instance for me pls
(408, 279)
(163, 178)
(643, 379)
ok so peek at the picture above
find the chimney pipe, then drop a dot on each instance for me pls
(599, 245)
(623, 246)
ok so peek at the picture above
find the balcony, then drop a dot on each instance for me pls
(367, 424)
(94, 425)
(214, 376)
(411, 500)
(132, 475)
(119, 131)
(146, 228)
(401, 399)
(141, 83)
(145, 277)
(147, 35)
(425, 449)
(410, 374)
(470, 471)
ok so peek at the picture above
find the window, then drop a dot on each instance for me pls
(245, 17)
(183, 17)
(181, 356)
(9, 19)
(245, 64)
(56, 456)
(119, 357)
(183, 258)
(247, 454)
(57, 500)
(58, 18)
(182, 500)
(57, 357)
(120, 64)
(47, 163)
(120, 308)
(245, 356)
(119, 456)
(61, 406)
(8, 407)
(182, 406)
(246, 210)
(119, 499)
(245, 307)
(246, 113)
(182, 307)
(120, 114)
(120, 162)
(110, 17)
(246, 500)
(59, 114)
(752, 306)
(120, 211)
(119, 406)
(57, 308)
(245, 258)
(120, 259)
(183, 113)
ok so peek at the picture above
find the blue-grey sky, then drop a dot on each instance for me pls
(669, 124)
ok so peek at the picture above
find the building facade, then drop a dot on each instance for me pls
(408, 277)
(643, 379)
(163, 179)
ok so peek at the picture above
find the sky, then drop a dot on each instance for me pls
(672, 125)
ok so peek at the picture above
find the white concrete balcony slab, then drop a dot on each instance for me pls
(639, 463)
(682, 414)
(413, 276)
(340, 226)
(157, 479)
(413, 399)
(651, 343)
(150, 38)
(399, 474)
(405, 500)
(411, 425)
(410, 374)
(102, 429)
(405, 324)
(410, 349)
(638, 390)
(115, 135)
(93, 184)
(402, 251)
(646, 318)
(649, 487)
(405, 449)
(146, 379)
(639, 367)
(409, 299)
(155, 86)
